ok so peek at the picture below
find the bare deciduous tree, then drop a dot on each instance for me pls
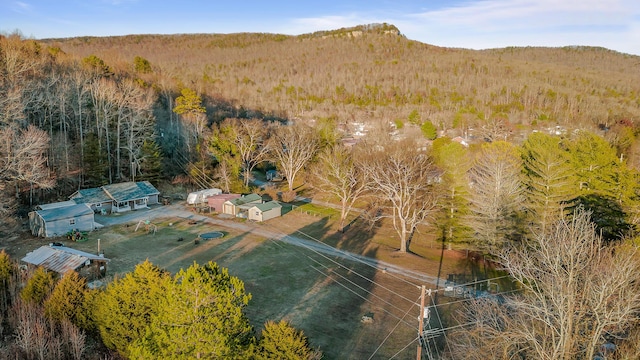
(496, 193)
(341, 176)
(404, 180)
(292, 147)
(253, 147)
(577, 294)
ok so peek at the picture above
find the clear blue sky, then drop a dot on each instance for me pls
(475, 24)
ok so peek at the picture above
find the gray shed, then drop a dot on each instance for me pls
(61, 259)
(58, 221)
(265, 211)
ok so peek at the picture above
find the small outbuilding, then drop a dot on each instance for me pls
(265, 211)
(216, 202)
(274, 175)
(201, 196)
(239, 206)
(61, 259)
(59, 220)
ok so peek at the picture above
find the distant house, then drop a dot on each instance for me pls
(239, 206)
(216, 202)
(61, 259)
(274, 175)
(200, 197)
(118, 197)
(265, 211)
(56, 219)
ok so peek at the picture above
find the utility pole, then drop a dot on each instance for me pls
(421, 323)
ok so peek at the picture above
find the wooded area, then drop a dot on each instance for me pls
(503, 151)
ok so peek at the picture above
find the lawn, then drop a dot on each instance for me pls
(324, 296)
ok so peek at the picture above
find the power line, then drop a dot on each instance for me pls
(358, 286)
(406, 346)
(360, 296)
(392, 330)
(355, 258)
(355, 272)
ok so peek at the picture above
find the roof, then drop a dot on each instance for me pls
(56, 205)
(68, 212)
(59, 258)
(91, 196)
(268, 206)
(125, 191)
(246, 199)
(224, 197)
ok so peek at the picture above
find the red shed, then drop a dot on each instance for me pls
(216, 201)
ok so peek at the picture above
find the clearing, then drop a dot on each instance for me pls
(351, 305)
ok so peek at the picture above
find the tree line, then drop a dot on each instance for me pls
(197, 313)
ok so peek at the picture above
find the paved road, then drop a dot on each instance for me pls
(178, 210)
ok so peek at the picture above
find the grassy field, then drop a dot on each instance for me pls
(325, 297)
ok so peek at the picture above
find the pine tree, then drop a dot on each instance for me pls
(67, 299)
(550, 180)
(200, 316)
(282, 341)
(39, 286)
(151, 162)
(95, 162)
(124, 310)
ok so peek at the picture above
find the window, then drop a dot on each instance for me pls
(72, 221)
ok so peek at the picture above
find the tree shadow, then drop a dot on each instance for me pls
(607, 214)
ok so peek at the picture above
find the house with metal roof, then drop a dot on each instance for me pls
(59, 220)
(265, 211)
(118, 197)
(61, 259)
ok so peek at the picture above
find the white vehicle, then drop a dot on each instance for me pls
(199, 197)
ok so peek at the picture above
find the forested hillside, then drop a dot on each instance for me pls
(377, 75)
(508, 152)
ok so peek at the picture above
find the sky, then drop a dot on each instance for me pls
(472, 24)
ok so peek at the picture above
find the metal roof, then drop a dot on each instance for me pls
(68, 212)
(59, 258)
(126, 191)
(268, 206)
(56, 205)
(91, 196)
(120, 192)
(245, 199)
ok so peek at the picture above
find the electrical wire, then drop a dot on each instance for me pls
(406, 346)
(392, 330)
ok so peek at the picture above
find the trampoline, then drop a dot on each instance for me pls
(211, 235)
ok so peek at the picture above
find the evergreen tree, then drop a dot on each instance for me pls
(39, 286)
(200, 316)
(124, 309)
(429, 130)
(282, 341)
(151, 162)
(95, 162)
(453, 159)
(550, 180)
(67, 299)
(7, 271)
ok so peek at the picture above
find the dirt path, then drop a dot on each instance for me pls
(264, 230)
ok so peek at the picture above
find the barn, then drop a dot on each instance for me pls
(265, 211)
(58, 220)
(61, 259)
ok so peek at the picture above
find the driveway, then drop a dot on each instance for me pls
(178, 210)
